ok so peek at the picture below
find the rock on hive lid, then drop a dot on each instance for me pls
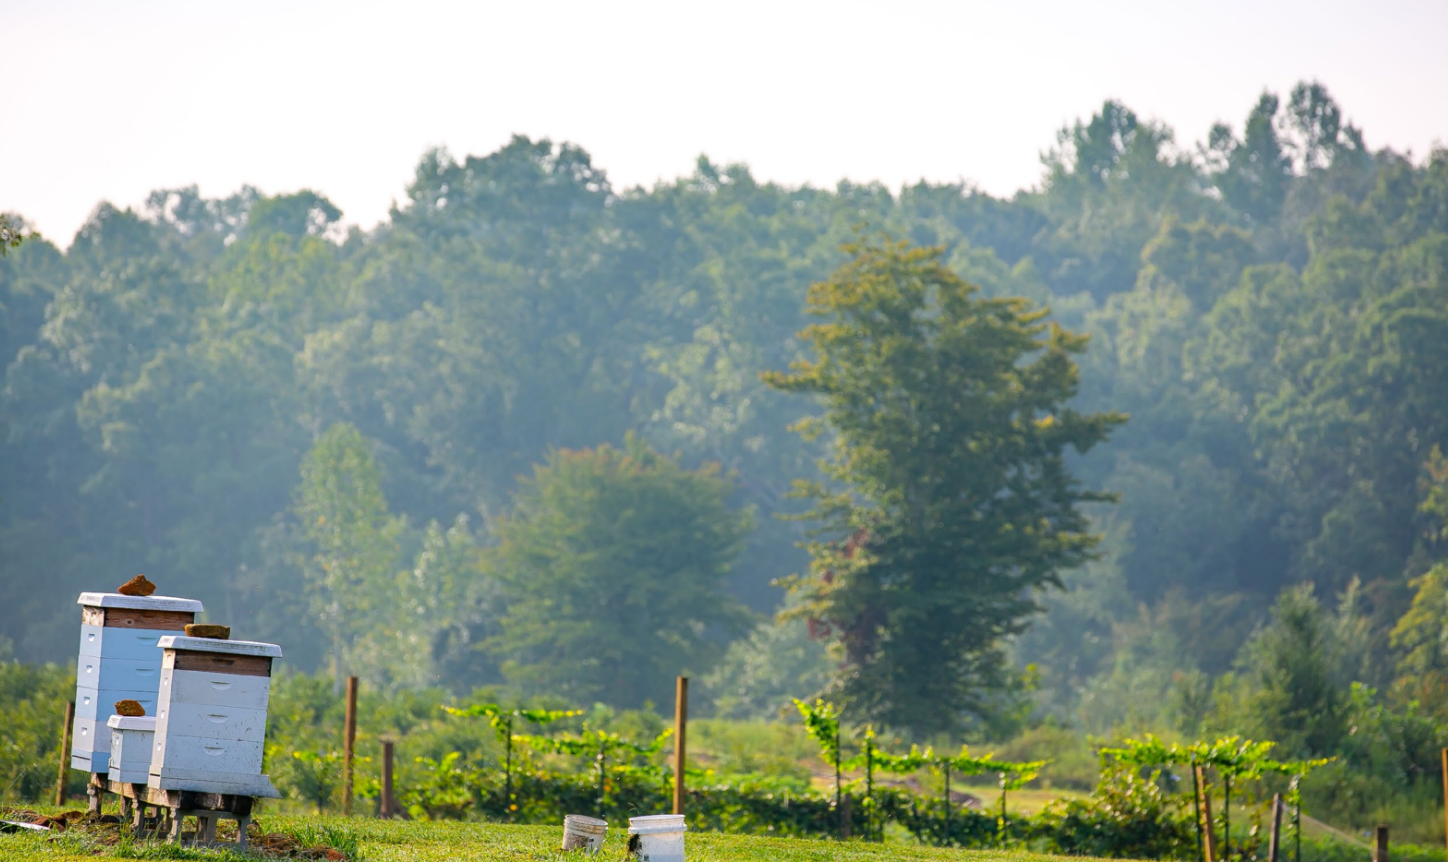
(141, 603)
(175, 642)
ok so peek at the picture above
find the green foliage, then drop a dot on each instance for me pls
(350, 573)
(1129, 816)
(34, 698)
(761, 673)
(612, 569)
(822, 723)
(957, 503)
(310, 775)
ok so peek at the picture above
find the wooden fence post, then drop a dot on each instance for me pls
(1197, 804)
(1445, 793)
(65, 752)
(1380, 846)
(1276, 837)
(1210, 833)
(681, 728)
(387, 803)
(349, 742)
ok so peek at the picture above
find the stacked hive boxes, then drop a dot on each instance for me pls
(119, 660)
(211, 716)
(131, 748)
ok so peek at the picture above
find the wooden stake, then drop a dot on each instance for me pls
(387, 803)
(946, 842)
(65, 752)
(1197, 803)
(1210, 834)
(1445, 793)
(681, 727)
(1226, 818)
(839, 806)
(1380, 847)
(1274, 841)
(349, 742)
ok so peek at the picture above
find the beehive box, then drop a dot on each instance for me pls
(211, 716)
(119, 660)
(131, 738)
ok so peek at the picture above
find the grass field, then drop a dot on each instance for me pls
(380, 841)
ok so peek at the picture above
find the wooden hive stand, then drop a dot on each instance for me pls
(168, 810)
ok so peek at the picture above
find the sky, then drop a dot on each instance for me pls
(108, 101)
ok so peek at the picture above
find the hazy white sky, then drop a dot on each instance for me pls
(107, 100)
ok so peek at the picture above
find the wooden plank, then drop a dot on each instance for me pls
(206, 757)
(239, 665)
(215, 689)
(200, 800)
(211, 722)
(99, 704)
(120, 674)
(129, 643)
(134, 618)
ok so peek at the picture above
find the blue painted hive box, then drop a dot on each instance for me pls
(119, 660)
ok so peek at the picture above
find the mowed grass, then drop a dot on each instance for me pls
(382, 841)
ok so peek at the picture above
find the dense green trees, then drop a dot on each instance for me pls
(1267, 305)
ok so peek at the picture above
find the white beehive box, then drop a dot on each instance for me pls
(131, 738)
(119, 660)
(211, 716)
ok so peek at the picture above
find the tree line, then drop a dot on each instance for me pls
(470, 446)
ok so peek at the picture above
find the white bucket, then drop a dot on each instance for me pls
(657, 838)
(583, 833)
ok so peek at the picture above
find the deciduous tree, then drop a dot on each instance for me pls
(952, 503)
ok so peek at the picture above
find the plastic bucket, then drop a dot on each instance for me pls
(583, 833)
(657, 838)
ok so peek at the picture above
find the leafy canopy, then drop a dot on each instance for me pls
(950, 502)
(613, 567)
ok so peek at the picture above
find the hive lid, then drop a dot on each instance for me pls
(213, 645)
(132, 722)
(138, 603)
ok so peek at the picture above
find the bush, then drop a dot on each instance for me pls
(1128, 817)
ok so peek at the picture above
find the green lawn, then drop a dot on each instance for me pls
(399, 842)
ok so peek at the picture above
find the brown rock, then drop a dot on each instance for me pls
(220, 633)
(137, 586)
(131, 708)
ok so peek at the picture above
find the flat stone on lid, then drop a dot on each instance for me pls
(139, 603)
(176, 642)
(127, 722)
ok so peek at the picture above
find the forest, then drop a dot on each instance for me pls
(539, 436)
